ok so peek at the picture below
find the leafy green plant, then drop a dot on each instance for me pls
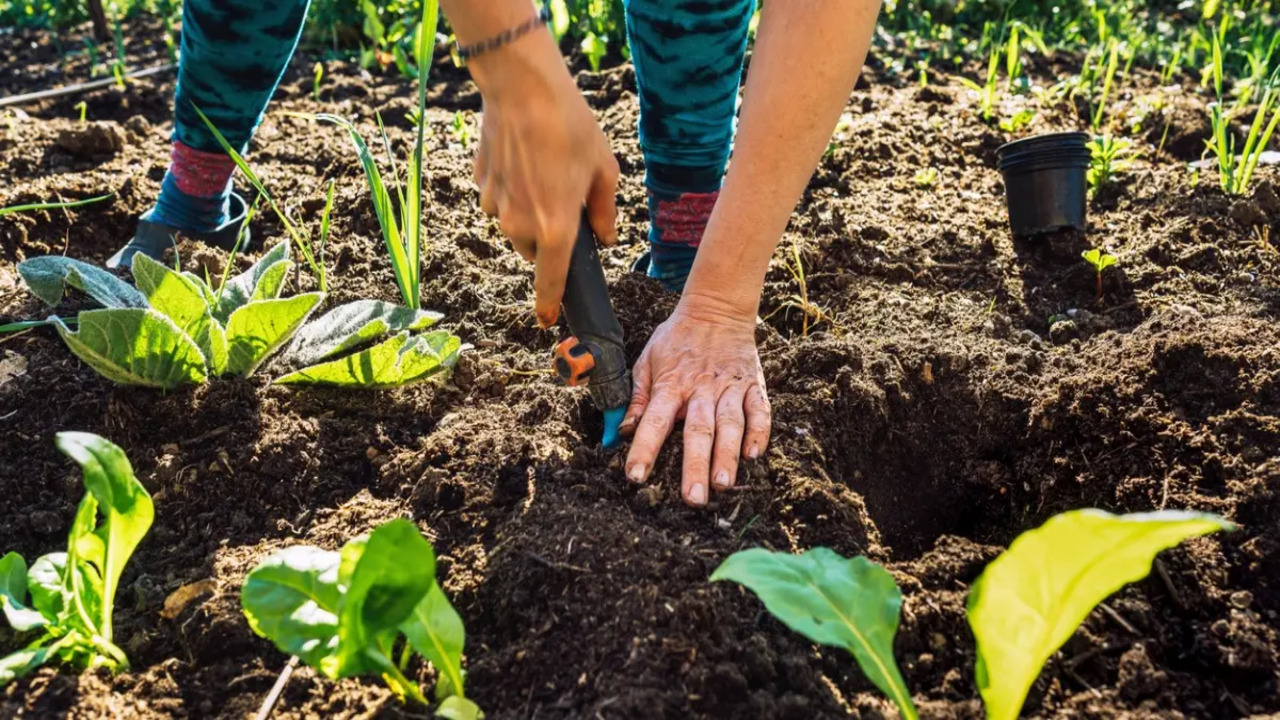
(370, 344)
(987, 92)
(401, 220)
(461, 130)
(1017, 121)
(174, 329)
(594, 48)
(1032, 597)
(1108, 156)
(68, 598)
(1236, 173)
(848, 603)
(926, 178)
(1100, 261)
(345, 613)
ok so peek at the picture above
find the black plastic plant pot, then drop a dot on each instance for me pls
(1045, 182)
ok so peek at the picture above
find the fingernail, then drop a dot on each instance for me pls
(636, 473)
(722, 479)
(698, 494)
(627, 422)
(754, 452)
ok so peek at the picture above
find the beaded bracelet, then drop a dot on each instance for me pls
(467, 52)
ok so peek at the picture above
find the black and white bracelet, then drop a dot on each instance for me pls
(467, 52)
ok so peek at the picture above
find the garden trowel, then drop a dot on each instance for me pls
(593, 356)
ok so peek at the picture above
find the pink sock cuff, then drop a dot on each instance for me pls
(684, 219)
(199, 173)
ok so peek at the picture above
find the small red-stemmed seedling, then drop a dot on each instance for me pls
(1100, 261)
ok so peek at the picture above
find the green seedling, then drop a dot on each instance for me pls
(812, 312)
(1108, 79)
(1108, 156)
(461, 130)
(317, 77)
(1100, 261)
(926, 178)
(594, 47)
(54, 205)
(401, 221)
(850, 603)
(988, 90)
(1019, 120)
(296, 232)
(174, 329)
(1236, 173)
(68, 598)
(1032, 597)
(365, 610)
(83, 109)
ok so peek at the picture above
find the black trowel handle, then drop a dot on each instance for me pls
(587, 307)
(594, 356)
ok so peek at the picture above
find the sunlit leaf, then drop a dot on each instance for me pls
(400, 360)
(135, 347)
(49, 276)
(258, 329)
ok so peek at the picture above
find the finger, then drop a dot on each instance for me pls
(602, 203)
(639, 394)
(730, 421)
(488, 194)
(654, 427)
(759, 422)
(551, 266)
(517, 230)
(699, 436)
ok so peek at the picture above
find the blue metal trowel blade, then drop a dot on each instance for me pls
(612, 421)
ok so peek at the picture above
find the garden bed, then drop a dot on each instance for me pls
(933, 419)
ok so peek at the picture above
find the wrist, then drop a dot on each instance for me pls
(525, 64)
(718, 306)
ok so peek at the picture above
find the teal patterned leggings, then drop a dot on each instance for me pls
(687, 53)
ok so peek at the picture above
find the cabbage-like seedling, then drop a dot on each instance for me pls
(1032, 597)
(365, 610)
(174, 329)
(66, 599)
(1100, 261)
(850, 603)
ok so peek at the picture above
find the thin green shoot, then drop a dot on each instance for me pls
(83, 109)
(1108, 79)
(461, 130)
(235, 249)
(1236, 172)
(594, 47)
(318, 76)
(813, 313)
(54, 205)
(297, 233)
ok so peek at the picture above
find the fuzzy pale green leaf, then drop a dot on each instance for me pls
(262, 281)
(292, 599)
(352, 325)
(49, 276)
(258, 329)
(135, 346)
(15, 665)
(1032, 597)
(398, 361)
(851, 603)
(186, 301)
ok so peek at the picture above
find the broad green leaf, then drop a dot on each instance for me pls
(46, 583)
(49, 276)
(13, 595)
(292, 599)
(391, 577)
(186, 302)
(1032, 597)
(559, 18)
(258, 329)
(135, 346)
(126, 508)
(352, 325)
(263, 281)
(849, 603)
(434, 629)
(82, 575)
(456, 707)
(398, 361)
(20, 663)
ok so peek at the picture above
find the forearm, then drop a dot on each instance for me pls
(807, 57)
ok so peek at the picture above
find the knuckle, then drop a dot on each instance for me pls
(699, 429)
(728, 420)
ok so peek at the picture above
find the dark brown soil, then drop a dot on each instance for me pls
(927, 422)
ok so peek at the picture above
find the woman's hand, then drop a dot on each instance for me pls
(542, 156)
(701, 365)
